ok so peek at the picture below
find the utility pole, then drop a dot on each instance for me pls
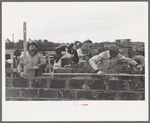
(13, 41)
(24, 44)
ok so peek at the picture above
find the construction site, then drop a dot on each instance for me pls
(76, 82)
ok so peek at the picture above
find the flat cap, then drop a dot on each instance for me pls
(114, 48)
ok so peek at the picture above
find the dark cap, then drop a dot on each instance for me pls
(114, 48)
(32, 43)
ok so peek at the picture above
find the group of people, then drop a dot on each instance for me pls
(100, 63)
(35, 60)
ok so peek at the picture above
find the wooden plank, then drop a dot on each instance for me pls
(90, 74)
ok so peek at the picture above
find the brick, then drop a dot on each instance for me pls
(76, 84)
(66, 61)
(119, 85)
(63, 70)
(43, 93)
(87, 95)
(40, 83)
(57, 83)
(67, 94)
(97, 84)
(8, 82)
(81, 65)
(138, 85)
(33, 72)
(20, 82)
(29, 93)
(75, 66)
(132, 96)
(114, 84)
(102, 95)
(12, 92)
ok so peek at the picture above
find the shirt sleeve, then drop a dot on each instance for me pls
(125, 59)
(79, 52)
(42, 61)
(95, 59)
(20, 65)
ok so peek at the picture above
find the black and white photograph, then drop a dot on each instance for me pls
(65, 60)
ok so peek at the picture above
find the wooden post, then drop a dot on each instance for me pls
(13, 41)
(24, 45)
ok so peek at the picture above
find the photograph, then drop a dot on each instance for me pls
(75, 52)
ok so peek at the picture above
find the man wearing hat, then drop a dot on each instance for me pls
(107, 60)
(33, 59)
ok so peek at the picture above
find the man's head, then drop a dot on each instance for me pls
(78, 44)
(32, 48)
(17, 53)
(113, 51)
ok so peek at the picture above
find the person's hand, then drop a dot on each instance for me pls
(63, 53)
(139, 67)
(66, 66)
(35, 67)
(99, 73)
(22, 74)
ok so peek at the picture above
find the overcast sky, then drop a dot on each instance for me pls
(70, 21)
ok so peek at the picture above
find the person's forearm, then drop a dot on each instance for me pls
(42, 65)
(93, 64)
(20, 68)
(132, 62)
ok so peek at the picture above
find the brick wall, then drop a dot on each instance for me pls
(73, 88)
(76, 87)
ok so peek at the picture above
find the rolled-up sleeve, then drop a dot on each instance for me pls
(95, 59)
(128, 60)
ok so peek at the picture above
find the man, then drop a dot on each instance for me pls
(79, 51)
(107, 60)
(16, 58)
(33, 59)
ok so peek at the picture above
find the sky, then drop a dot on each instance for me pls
(65, 22)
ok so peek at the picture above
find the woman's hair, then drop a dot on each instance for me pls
(58, 52)
(70, 48)
(60, 49)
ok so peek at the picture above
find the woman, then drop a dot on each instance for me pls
(66, 52)
(72, 50)
(62, 52)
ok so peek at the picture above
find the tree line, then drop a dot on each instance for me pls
(43, 45)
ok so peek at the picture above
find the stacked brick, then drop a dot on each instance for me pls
(73, 87)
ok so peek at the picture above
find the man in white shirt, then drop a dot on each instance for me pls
(107, 60)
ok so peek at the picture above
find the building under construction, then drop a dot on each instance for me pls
(78, 82)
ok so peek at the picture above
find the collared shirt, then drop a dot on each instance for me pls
(31, 61)
(105, 62)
